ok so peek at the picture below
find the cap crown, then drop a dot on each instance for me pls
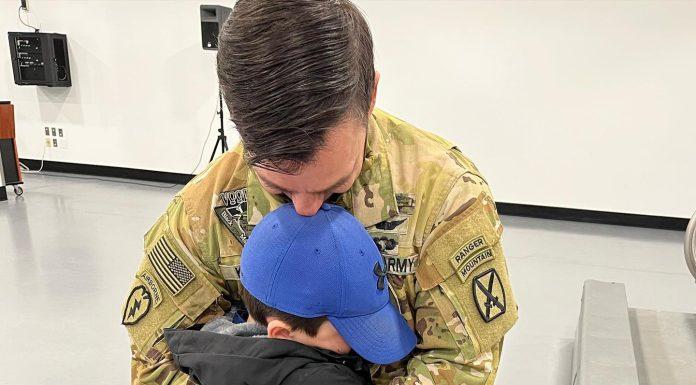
(323, 265)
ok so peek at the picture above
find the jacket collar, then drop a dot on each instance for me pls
(371, 199)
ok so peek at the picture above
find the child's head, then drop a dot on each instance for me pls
(317, 331)
(301, 271)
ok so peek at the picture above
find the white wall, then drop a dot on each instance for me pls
(144, 91)
(579, 104)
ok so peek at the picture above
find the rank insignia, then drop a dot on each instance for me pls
(406, 203)
(137, 306)
(489, 295)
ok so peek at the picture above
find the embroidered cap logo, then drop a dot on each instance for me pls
(381, 275)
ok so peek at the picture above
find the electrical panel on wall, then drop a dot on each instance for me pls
(40, 59)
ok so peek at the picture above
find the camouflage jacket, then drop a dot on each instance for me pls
(426, 206)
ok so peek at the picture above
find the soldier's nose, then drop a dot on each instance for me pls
(307, 204)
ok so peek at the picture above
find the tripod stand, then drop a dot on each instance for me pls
(221, 139)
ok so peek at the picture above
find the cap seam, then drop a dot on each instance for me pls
(340, 262)
(271, 295)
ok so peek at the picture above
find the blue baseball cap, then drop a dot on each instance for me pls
(327, 265)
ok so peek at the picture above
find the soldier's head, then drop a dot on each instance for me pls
(298, 78)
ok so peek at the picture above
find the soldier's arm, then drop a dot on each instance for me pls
(172, 288)
(464, 304)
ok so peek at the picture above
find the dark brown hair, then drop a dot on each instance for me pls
(290, 70)
(260, 313)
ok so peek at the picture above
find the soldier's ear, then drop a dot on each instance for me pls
(278, 329)
(374, 92)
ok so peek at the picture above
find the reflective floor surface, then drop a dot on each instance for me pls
(69, 248)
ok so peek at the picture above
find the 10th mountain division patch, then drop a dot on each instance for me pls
(489, 295)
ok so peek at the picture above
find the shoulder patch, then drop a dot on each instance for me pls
(149, 281)
(171, 270)
(489, 295)
(233, 212)
(137, 306)
(234, 198)
(483, 256)
(460, 256)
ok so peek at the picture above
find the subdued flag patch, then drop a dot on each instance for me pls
(171, 270)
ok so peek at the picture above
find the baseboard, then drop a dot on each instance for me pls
(108, 171)
(514, 209)
(591, 216)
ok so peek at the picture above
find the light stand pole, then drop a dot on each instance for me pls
(212, 19)
(221, 139)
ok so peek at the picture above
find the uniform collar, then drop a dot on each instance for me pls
(371, 199)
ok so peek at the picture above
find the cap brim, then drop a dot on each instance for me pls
(381, 338)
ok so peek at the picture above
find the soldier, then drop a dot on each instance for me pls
(298, 77)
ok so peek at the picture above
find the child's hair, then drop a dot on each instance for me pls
(260, 313)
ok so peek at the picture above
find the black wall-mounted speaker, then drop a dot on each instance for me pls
(212, 19)
(40, 59)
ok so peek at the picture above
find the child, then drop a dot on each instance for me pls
(317, 286)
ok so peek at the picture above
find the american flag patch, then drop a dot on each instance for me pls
(173, 273)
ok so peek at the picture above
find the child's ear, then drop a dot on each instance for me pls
(279, 329)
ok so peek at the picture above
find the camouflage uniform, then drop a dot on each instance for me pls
(428, 209)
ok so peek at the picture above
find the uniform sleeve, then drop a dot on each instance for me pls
(464, 304)
(172, 288)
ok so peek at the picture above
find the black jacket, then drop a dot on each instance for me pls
(217, 359)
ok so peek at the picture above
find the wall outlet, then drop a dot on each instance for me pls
(55, 137)
(62, 139)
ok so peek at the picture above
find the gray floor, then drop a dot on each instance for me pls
(69, 247)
